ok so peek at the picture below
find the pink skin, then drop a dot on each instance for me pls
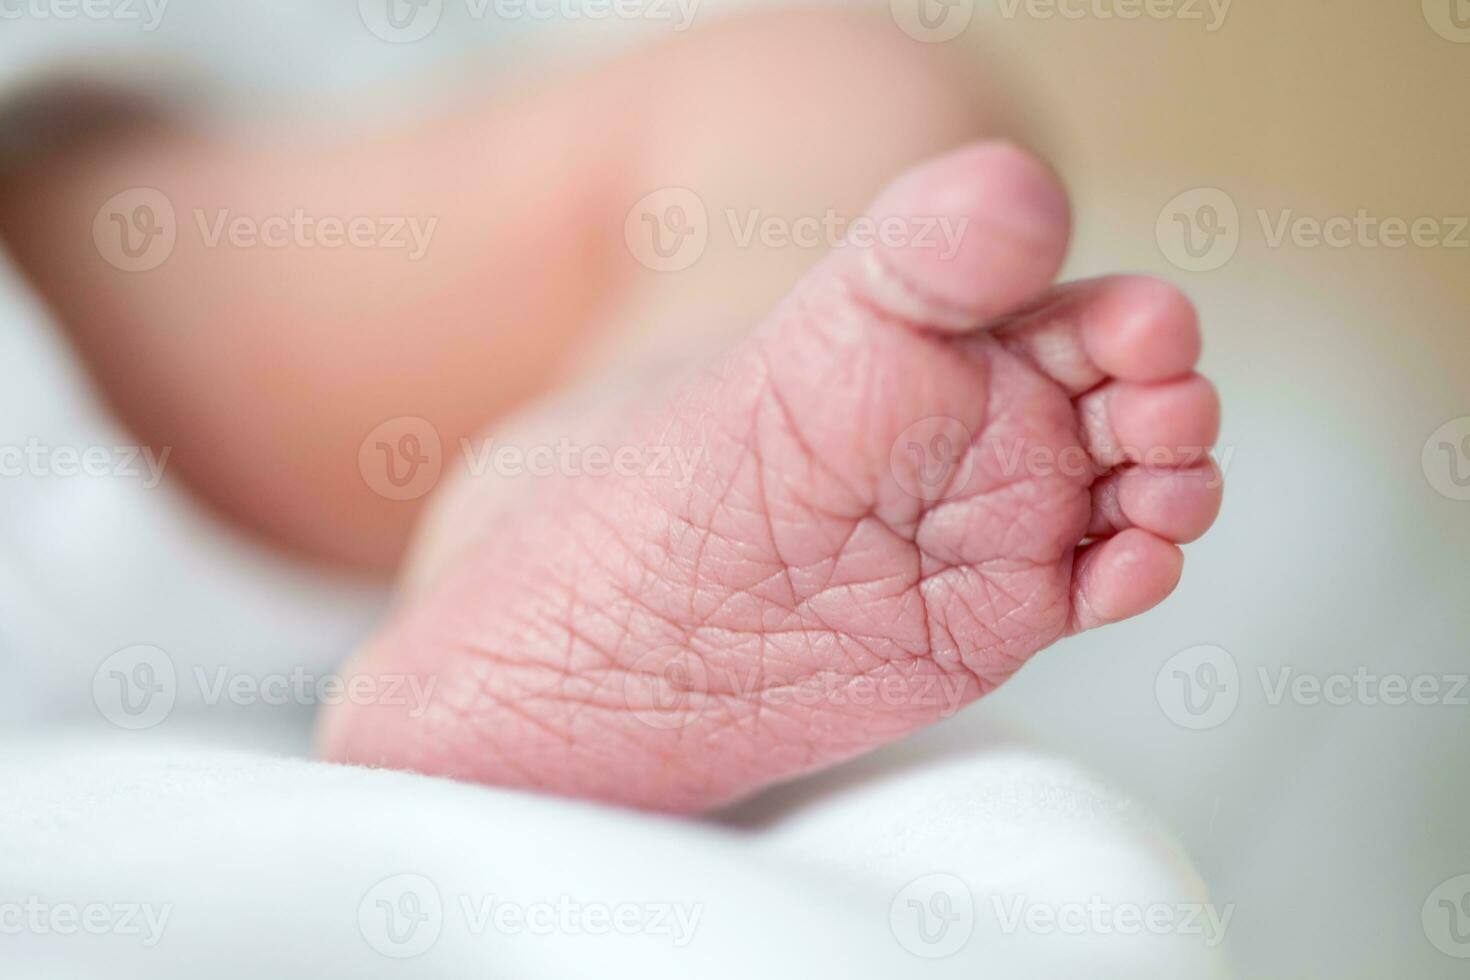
(636, 640)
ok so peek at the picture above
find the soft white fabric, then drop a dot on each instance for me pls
(198, 858)
(263, 863)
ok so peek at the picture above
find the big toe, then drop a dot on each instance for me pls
(965, 237)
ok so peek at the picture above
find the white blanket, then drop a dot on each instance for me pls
(166, 856)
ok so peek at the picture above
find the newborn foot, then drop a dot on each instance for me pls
(889, 511)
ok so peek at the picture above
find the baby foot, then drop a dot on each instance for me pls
(891, 511)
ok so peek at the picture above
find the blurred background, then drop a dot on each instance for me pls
(1344, 543)
(1340, 546)
(1203, 143)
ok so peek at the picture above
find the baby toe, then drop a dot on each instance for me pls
(1141, 329)
(1131, 328)
(1011, 224)
(1121, 577)
(1169, 424)
(1177, 505)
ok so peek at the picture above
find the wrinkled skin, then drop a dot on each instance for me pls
(678, 639)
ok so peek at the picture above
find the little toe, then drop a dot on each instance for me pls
(1121, 577)
(1176, 505)
(1169, 424)
(1132, 328)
